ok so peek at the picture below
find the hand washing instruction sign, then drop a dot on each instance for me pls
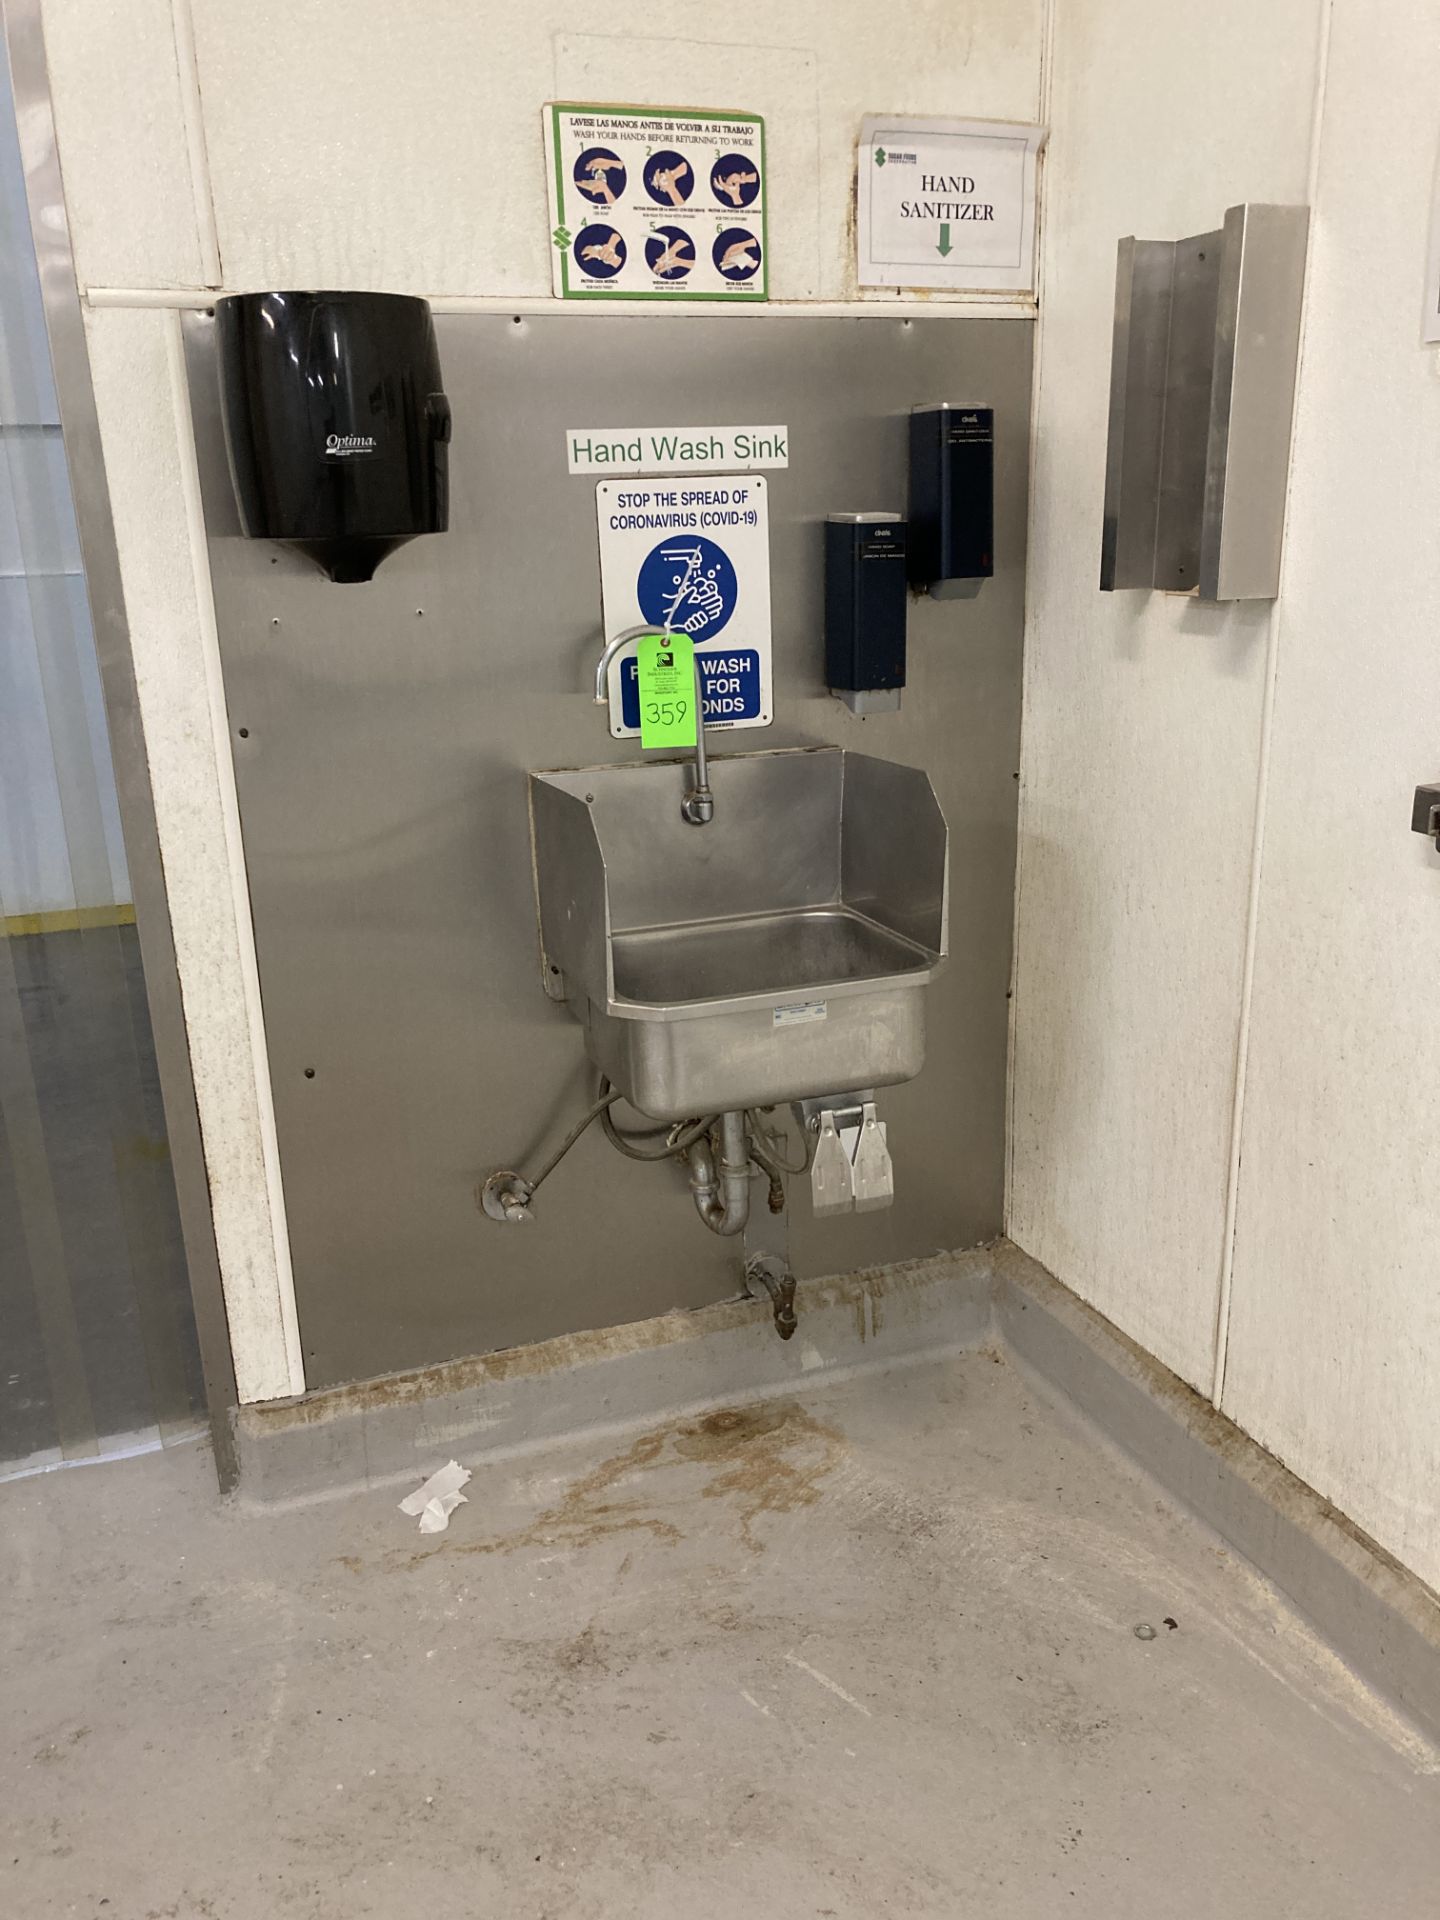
(656, 203)
(692, 558)
(947, 203)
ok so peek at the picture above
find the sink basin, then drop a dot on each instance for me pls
(779, 953)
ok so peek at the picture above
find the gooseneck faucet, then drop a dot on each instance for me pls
(698, 806)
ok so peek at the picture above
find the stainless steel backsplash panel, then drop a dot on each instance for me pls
(387, 733)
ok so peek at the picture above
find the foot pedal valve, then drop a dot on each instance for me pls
(831, 1190)
(873, 1171)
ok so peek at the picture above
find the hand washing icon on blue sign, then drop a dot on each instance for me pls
(734, 180)
(600, 251)
(668, 178)
(600, 175)
(669, 253)
(736, 253)
(687, 584)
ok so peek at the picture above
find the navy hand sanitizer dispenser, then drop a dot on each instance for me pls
(952, 499)
(865, 610)
(336, 423)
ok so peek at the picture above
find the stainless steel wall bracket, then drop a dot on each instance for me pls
(1202, 392)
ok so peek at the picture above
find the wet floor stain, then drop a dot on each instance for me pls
(764, 1460)
(768, 1459)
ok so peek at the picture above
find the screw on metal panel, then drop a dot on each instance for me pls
(1144, 1631)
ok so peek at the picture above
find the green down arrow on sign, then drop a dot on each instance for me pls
(944, 246)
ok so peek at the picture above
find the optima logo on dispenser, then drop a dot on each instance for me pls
(344, 446)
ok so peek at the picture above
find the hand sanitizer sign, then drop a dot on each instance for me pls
(690, 557)
(947, 203)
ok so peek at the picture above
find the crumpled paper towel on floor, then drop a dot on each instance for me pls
(438, 1498)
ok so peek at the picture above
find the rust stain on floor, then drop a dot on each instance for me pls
(768, 1459)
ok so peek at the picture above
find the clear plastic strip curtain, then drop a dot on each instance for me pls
(97, 1340)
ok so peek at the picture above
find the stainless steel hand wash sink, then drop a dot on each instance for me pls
(780, 953)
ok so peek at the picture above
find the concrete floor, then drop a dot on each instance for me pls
(867, 1653)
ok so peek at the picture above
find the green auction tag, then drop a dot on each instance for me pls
(666, 668)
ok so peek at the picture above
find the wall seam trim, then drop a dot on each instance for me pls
(1044, 103)
(277, 1357)
(1225, 1298)
(182, 26)
(974, 306)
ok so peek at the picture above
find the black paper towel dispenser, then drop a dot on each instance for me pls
(336, 423)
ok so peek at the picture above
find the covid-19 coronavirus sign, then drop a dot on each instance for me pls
(690, 557)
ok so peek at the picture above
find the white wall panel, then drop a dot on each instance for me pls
(135, 360)
(1142, 712)
(1334, 1353)
(362, 143)
(120, 125)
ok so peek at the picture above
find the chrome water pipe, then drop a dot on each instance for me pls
(698, 806)
(722, 1194)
